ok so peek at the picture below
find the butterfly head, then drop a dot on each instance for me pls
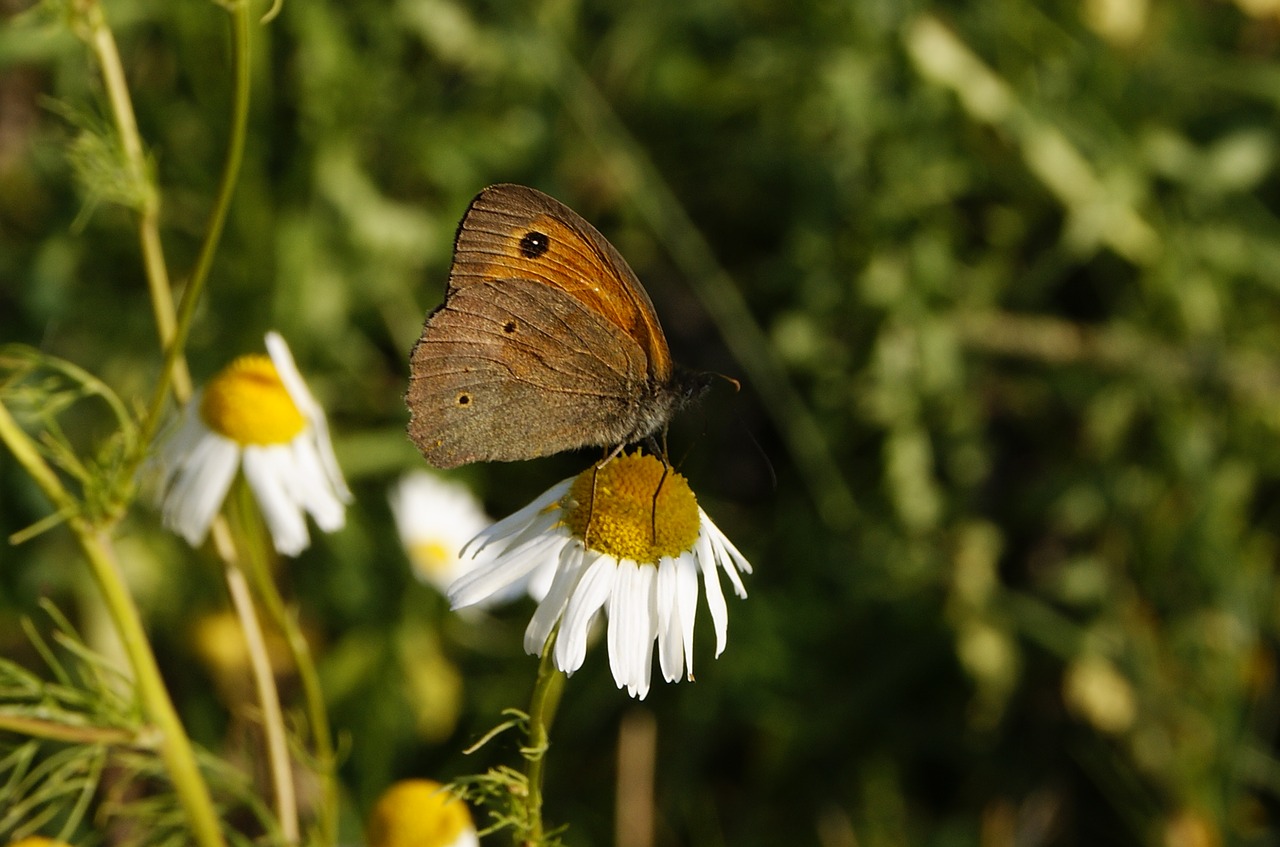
(689, 386)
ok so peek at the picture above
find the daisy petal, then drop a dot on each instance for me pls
(670, 631)
(202, 482)
(687, 602)
(567, 574)
(268, 470)
(715, 596)
(501, 571)
(593, 591)
(302, 397)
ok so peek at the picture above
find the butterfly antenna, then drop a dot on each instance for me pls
(773, 474)
(737, 386)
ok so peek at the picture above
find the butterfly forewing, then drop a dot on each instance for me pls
(515, 232)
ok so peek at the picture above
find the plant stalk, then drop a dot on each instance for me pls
(175, 747)
(542, 711)
(313, 695)
(264, 679)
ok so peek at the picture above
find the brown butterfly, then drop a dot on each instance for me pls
(545, 342)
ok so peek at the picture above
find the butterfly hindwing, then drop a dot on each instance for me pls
(508, 369)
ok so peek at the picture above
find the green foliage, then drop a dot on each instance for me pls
(999, 281)
(42, 391)
(90, 749)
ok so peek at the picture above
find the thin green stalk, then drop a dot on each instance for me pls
(174, 369)
(175, 746)
(313, 695)
(542, 711)
(69, 733)
(286, 801)
(101, 40)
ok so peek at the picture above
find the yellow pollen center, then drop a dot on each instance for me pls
(248, 403)
(628, 509)
(431, 557)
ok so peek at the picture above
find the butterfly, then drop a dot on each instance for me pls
(546, 342)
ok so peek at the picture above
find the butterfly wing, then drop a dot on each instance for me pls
(509, 369)
(516, 232)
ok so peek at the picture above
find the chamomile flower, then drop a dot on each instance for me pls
(256, 416)
(436, 518)
(629, 539)
(420, 813)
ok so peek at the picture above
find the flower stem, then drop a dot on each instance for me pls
(67, 733)
(264, 680)
(103, 43)
(175, 370)
(542, 710)
(175, 747)
(313, 695)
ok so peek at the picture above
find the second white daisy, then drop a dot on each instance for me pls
(256, 415)
(435, 518)
(628, 539)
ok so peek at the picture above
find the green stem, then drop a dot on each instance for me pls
(175, 747)
(313, 695)
(174, 370)
(69, 733)
(542, 711)
(103, 43)
(264, 681)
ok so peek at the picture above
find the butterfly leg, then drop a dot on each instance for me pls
(666, 468)
(591, 507)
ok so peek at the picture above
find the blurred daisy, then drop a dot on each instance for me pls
(435, 518)
(640, 565)
(257, 416)
(420, 813)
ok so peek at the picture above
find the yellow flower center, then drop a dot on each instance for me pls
(248, 403)
(417, 813)
(431, 558)
(629, 509)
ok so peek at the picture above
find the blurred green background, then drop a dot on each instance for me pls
(1001, 283)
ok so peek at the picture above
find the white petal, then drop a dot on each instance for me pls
(177, 444)
(727, 556)
(268, 470)
(594, 589)
(567, 574)
(501, 571)
(670, 646)
(517, 522)
(540, 581)
(687, 599)
(648, 590)
(302, 397)
(632, 624)
(314, 492)
(200, 487)
(715, 596)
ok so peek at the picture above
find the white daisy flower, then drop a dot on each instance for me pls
(258, 416)
(421, 813)
(648, 542)
(436, 518)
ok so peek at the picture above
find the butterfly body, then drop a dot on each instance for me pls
(545, 342)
